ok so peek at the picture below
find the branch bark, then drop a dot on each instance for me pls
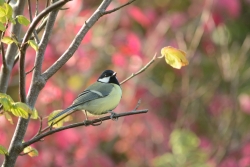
(11, 50)
(24, 44)
(77, 40)
(84, 123)
(38, 79)
(118, 8)
(16, 143)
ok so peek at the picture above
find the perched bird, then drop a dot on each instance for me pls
(99, 98)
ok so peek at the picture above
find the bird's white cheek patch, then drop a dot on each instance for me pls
(105, 79)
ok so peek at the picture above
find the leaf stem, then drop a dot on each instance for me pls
(140, 71)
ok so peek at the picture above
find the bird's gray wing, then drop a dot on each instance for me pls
(95, 91)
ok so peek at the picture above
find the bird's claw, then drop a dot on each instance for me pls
(113, 116)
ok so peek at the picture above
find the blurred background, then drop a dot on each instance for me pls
(198, 116)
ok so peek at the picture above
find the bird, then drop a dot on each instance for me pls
(99, 98)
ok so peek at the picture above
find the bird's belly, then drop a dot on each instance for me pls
(105, 104)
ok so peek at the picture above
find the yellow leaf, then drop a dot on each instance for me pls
(20, 109)
(7, 40)
(60, 123)
(23, 107)
(174, 57)
(6, 101)
(31, 151)
(8, 117)
(3, 150)
(8, 10)
(34, 114)
(3, 95)
(33, 44)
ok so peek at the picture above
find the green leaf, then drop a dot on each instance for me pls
(12, 20)
(7, 40)
(33, 44)
(20, 109)
(2, 2)
(60, 123)
(31, 151)
(34, 114)
(2, 12)
(3, 95)
(8, 10)
(8, 117)
(3, 150)
(6, 104)
(22, 20)
(2, 27)
(6, 101)
(183, 141)
(3, 19)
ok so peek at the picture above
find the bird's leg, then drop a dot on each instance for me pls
(113, 116)
(86, 116)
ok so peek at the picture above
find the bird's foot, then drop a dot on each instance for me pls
(113, 115)
(87, 122)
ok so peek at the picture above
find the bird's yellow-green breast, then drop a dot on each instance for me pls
(111, 97)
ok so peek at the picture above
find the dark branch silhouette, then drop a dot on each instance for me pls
(84, 123)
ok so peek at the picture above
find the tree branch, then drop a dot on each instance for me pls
(115, 9)
(39, 17)
(2, 47)
(24, 45)
(84, 123)
(77, 40)
(30, 13)
(141, 70)
(37, 81)
(3, 52)
(36, 13)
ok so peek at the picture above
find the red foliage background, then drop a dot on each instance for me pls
(210, 97)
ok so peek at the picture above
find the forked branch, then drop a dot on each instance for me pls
(115, 9)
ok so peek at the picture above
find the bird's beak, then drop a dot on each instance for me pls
(114, 74)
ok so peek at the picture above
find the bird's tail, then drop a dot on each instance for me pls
(68, 110)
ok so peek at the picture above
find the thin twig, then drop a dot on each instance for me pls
(138, 104)
(84, 123)
(53, 123)
(40, 17)
(30, 70)
(47, 4)
(2, 47)
(76, 41)
(41, 125)
(115, 9)
(36, 13)
(42, 25)
(16, 60)
(64, 8)
(2, 51)
(140, 71)
(24, 45)
(30, 13)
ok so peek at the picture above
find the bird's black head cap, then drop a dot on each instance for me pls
(108, 76)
